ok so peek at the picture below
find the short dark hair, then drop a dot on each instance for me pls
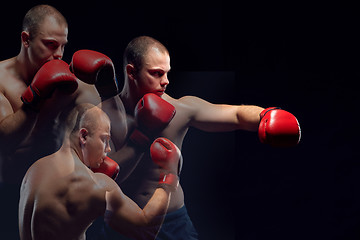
(137, 48)
(36, 15)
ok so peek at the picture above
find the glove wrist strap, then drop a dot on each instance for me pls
(169, 181)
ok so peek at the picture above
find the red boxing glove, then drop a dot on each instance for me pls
(279, 128)
(95, 68)
(152, 114)
(108, 167)
(54, 74)
(167, 156)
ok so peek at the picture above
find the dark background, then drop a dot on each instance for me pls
(303, 58)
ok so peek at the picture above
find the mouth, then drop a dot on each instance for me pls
(160, 92)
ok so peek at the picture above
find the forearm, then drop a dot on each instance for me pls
(221, 117)
(154, 213)
(248, 117)
(132, 221)
(156, 208)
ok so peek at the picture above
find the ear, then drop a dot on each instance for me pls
(83, 133)
(25, 38)
(130, 71)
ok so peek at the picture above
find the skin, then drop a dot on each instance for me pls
(138, 170)
(22, 127)
(61, 196)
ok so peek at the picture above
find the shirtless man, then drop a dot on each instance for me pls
(31, 128)
(60, 195)
(43, 39)
(146, 65)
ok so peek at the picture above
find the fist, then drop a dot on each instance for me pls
(152, 115)
(53, 75)
(279, 128)
(167, 156)
(108, 167)
(95, 68)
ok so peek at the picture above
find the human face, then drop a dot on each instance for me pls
(153, 76)
(97, 144)
(48, 44)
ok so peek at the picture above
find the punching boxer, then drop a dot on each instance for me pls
(35, 86)
(61, 196)
(146, 65)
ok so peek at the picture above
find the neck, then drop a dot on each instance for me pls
(129, 98)
(24, 68)
(75, 150)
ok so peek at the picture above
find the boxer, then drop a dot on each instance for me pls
(146, 66)
(61, 196)
(35, 87)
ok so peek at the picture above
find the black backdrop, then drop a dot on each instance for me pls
(303, 58)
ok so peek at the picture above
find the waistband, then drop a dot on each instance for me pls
(176, 214)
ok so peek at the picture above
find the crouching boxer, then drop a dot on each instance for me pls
(61, 195)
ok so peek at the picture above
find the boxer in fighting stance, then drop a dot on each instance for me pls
(35, 86)
(43, 39)
(152, 113)
(61, 196)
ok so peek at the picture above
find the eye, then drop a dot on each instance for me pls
(51, 44)
(157, 73)
(105, 140)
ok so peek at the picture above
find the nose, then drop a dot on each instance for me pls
(164, 81)
(107, 148)
(58, 54)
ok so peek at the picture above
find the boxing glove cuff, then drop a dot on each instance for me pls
(30, 98)
(266, 110)
(169, 181)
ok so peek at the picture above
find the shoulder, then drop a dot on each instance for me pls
(87, 93)
(189, 106)
(37, 171)
(38, 183)
(6, 68)
(81, 195)
(188, 102)
(4, 74)
(10, 82)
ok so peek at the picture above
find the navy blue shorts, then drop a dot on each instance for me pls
(177, 225)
